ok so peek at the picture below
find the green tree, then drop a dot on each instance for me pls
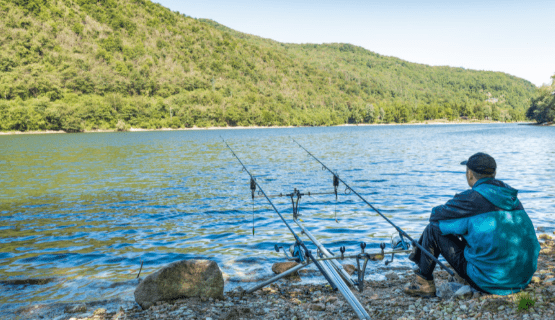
(542, 108)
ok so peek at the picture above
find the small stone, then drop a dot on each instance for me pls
(501, 308)
(99, 311)
(318, 307)
(536, 279)
(76, 309)
(349, 268)
(447, 289)
(119, 315)
(463, 292)
(331, 299)
(545, 236)
(391, 276)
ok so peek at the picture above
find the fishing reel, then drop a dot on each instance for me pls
(397, 242)
(296, 254)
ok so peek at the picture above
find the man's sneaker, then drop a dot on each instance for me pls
(421, 287)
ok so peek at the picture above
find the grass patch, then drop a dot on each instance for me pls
(524, 300)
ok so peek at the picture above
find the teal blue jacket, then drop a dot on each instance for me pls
(502, 252)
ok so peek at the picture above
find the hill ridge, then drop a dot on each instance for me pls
(101, 64)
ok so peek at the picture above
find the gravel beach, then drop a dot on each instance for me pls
(382, 300)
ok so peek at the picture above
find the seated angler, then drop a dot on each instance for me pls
(484, 233)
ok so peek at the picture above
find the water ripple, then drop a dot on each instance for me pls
(86, 209)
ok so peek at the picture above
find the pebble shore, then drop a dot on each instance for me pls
(381, 299)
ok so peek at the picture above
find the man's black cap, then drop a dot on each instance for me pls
(481, 163)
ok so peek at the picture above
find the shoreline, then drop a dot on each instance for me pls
(288, 299)
(195, 128)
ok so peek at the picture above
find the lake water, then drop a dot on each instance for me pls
(83, 210)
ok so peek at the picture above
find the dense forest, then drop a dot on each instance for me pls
(79, 65)
(542, 108)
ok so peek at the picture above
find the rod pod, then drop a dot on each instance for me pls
(333, 278)
(401, 232)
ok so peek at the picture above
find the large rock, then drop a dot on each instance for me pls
(181, 279)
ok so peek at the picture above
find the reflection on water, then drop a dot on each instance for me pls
(84, 210)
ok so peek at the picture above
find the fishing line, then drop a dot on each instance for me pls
(402, 233)
(303, 253)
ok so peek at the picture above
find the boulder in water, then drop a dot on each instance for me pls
(281, 267)
(181, 279)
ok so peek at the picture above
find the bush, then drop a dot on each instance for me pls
(103, 54)
(112, 43)
(72, 123)
(121, 126)
(77, 28)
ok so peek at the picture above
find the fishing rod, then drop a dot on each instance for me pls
(401, 232)
(329, 274)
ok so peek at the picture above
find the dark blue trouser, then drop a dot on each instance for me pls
(449, 246)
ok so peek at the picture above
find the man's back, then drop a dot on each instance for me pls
(502, 249)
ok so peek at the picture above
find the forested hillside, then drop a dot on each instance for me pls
(98, 64)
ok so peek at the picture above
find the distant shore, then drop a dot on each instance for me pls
(431, 122)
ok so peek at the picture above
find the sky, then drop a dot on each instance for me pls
(515, 37)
